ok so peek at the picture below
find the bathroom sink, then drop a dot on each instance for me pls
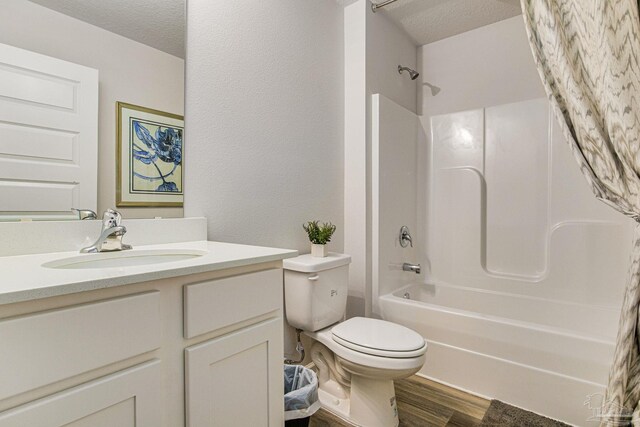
(124, 259)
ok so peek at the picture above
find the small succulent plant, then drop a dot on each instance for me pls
(319, 234)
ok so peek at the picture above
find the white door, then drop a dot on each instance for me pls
(48, 135)
(237, 379)
(130, 398)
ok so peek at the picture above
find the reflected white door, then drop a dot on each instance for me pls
(48, 135)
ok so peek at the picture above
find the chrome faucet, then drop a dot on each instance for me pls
(85, 213)
(411, 267)
(111, 235)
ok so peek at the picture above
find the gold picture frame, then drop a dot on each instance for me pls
(149, 157)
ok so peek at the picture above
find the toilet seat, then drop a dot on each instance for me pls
(379, 338)
(325, 336)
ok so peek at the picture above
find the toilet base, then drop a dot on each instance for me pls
(359, 387)
(335, 405)
(371, 403)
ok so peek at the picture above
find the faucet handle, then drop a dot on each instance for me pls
(111, 218)
(405, 237)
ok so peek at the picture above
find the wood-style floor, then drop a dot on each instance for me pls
(424, 403)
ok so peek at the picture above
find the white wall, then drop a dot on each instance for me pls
(374, 47)
(129, 71)
(387, 47)
(491, 65)
(265, 119)
(356, 218)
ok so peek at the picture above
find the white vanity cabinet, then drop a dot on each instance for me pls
(235, 379)
(199, 350)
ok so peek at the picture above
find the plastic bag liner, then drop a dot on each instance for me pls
(300, 392)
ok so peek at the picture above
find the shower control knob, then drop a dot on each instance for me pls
(405, 237)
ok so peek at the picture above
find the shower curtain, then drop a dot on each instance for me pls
(587, 53)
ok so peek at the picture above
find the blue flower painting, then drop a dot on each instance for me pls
(150, 158)
(156, 158)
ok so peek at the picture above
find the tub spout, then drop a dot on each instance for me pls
(411, 267)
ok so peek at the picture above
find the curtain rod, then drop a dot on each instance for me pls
(375, 7)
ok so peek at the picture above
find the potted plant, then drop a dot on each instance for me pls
(319, 236)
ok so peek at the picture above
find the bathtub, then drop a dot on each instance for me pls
(526, 351)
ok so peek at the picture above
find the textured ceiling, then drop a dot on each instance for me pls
(156, 23)
(427, 21)
(161, 23)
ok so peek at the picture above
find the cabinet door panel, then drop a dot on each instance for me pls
(122, 414)
(237, 379)
(128, 398)
(54, 345)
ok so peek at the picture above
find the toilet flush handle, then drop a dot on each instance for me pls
(314, 277)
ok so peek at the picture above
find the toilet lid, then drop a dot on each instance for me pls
(379, 338)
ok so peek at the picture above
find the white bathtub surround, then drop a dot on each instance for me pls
(521, 261)
(396, 136)
(589, 69)
(524, 268)
(374, 47)
(517, 248)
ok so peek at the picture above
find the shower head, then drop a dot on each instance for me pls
(434, 89)
(412, 73)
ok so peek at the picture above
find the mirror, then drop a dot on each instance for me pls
(66, 69)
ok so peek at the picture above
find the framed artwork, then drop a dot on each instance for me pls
(149, 157)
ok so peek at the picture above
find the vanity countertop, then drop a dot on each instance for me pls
(24, 277)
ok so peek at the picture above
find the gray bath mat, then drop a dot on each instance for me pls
(500, 414)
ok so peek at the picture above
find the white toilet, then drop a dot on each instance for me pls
(357, 359)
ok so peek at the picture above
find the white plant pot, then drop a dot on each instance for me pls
(319, 251)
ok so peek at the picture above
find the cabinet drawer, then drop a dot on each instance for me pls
(42, 348)
(215, 304)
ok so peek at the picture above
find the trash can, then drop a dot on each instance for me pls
(300, 395)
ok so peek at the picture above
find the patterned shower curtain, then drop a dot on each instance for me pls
(588, 56)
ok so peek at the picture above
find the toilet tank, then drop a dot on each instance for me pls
(315, 290)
